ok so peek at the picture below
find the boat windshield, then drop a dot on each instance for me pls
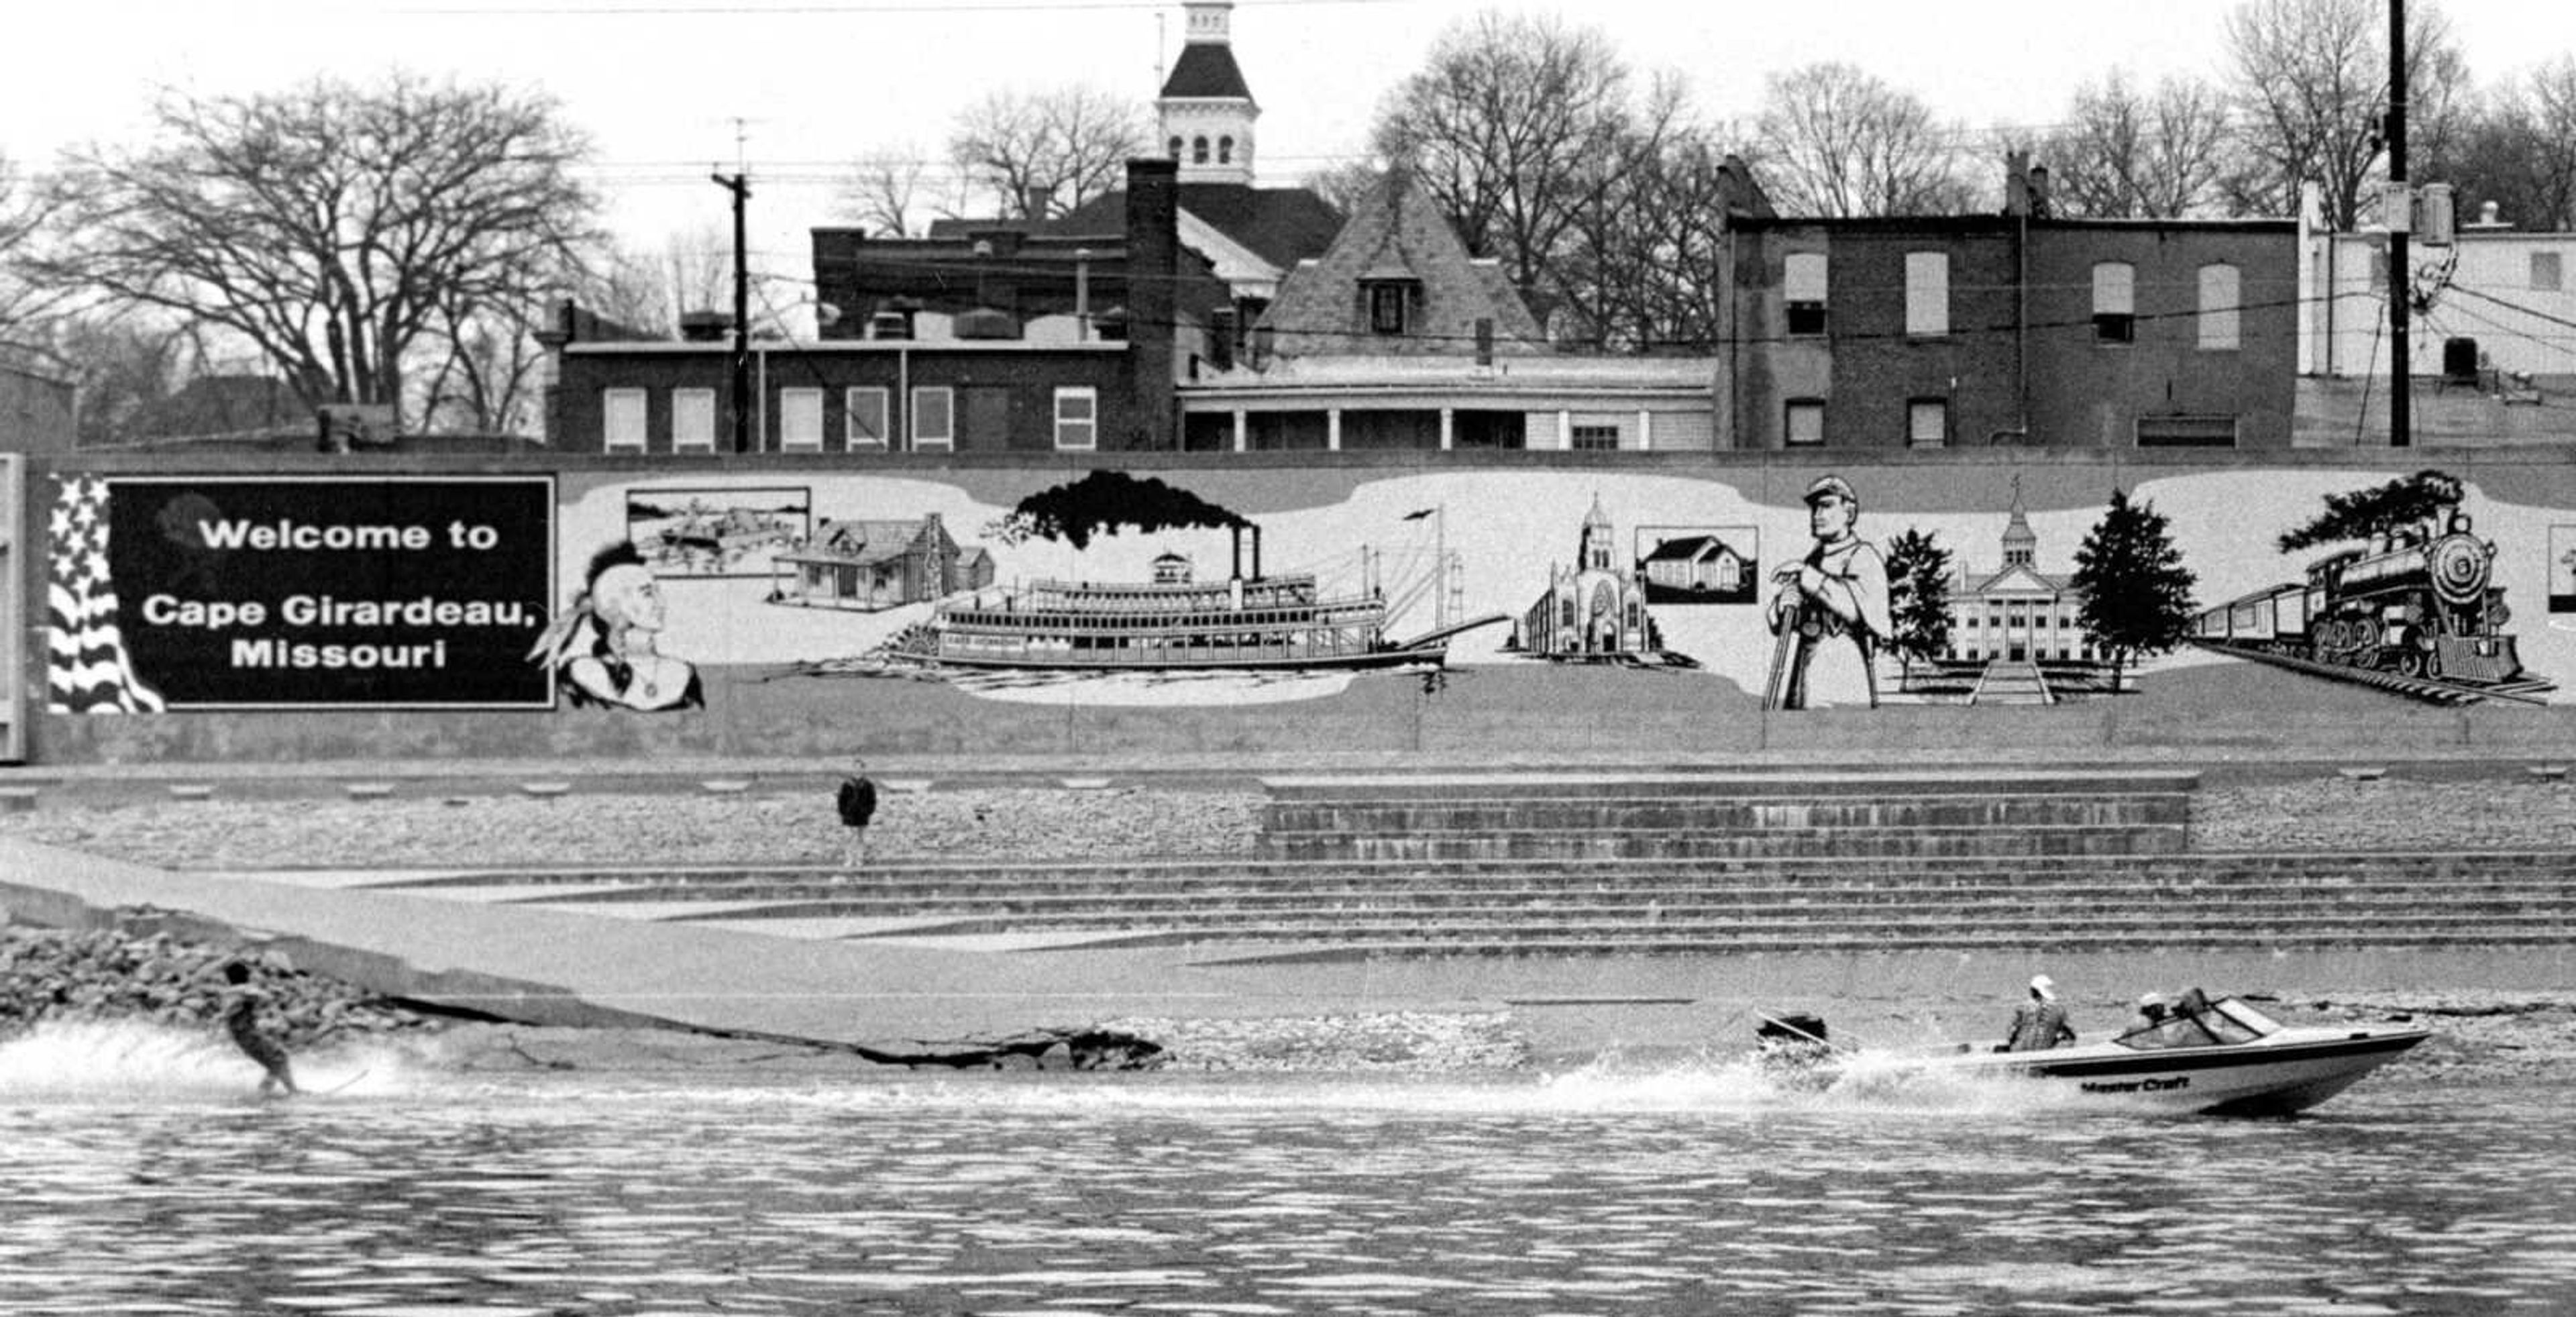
(2203, 1024)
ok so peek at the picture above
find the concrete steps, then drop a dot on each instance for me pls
(1745, 815)
(1551, 907)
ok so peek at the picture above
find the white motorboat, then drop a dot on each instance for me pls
(2222, 1057)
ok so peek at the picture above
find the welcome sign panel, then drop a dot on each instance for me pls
(332, 592)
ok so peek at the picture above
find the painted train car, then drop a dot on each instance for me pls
(2420, 602)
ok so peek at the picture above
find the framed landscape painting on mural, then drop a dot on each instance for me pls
(717, 532)
(1699, 564)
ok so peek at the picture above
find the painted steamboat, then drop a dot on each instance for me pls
(1172, 623)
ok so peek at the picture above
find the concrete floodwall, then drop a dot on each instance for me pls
(1614, 607)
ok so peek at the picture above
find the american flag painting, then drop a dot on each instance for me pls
(87, 669)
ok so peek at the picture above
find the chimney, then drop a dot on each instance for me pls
(1153, 267)
(1034, 198)
(2039, 208)
(2016, 182)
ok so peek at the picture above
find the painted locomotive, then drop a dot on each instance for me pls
(2419, 602)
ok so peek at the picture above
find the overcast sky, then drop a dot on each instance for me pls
(662, 84)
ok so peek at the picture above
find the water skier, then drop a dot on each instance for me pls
(241, 1020)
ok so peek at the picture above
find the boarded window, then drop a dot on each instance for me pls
(622, 414)
(863, 418)
(2186, 432)
(2115, 303)
(800, 420)
(693, 420)
(2545, 272)
(1803, 289)
(1927, 294)
(1927, 422)
(1806, 422)
(933, 419)
(2219, 303)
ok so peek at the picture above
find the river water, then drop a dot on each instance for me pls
(136, 1176)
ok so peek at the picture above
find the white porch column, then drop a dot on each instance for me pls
(1242, 431)
(1564, 430)
(1645, 430)
(1448, 428)
(1333, 429)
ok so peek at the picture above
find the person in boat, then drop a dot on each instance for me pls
(2040, 1023)
(241, 1020)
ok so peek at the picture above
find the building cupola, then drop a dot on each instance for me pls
(1206, 110)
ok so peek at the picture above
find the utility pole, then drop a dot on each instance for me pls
(2401, 280)
(739, 184)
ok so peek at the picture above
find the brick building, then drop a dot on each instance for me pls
(941, 346)
(1936, 331)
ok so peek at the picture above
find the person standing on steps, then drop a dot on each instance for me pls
(241, 1020)
(857, 801)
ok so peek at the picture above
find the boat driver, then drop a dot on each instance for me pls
(2040, 1023)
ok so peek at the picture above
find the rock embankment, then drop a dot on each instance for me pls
(105, 974)
(1028, 823)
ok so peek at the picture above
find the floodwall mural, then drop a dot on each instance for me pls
(1492, 593)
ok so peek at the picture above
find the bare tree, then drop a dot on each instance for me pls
(333, 227)
(1834, 140)
(1642, 269)
(2127, 154)
(2311, 86)
(2518, 150)
(1508, 126)
(1062, 147)
(892, 195)
(1344, 184)
(24, 211)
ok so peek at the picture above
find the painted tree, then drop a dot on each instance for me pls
(2368, 513)
(2137, 593)
(340, 230)
(1918, 598)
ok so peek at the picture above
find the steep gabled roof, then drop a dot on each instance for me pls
(1283, 225)
(1397, 234)
(1206, 70)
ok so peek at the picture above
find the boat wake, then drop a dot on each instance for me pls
(125, 1061)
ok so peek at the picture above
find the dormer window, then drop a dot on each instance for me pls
(1386, 306)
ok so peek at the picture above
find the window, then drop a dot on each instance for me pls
(2186, 432)
(1198, 150)
(1386, 308)
(622, 411)
(1176, 148)
(1225, 150)
(933, 419)
(864, 418)
(1927, 294)
(1927, 422)
(1596, 436)
(1806, 421)
(693, 420)
(800, 420)
(1804, 290)
(2545, 274)
(2115, 317)
(1077, 418)
(2218, 308)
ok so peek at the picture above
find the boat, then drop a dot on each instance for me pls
(2221, 1057)
(1172, 623)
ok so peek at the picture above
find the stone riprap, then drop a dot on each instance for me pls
(1018, 823)
(106, 974)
